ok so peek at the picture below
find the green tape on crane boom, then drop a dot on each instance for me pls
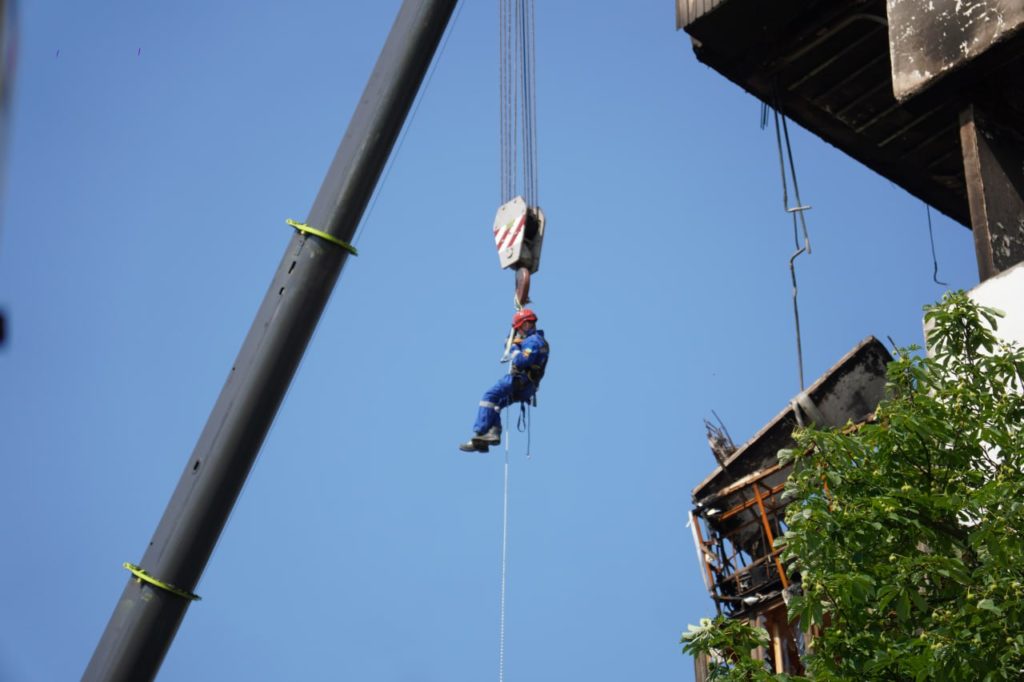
(141, 575)
(304, 228)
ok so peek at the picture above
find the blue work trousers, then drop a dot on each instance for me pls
(511, 388)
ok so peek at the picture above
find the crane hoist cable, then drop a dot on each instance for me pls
(519, 224)
(517, 97)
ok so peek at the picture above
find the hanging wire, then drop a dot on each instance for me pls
(799, 209)
(931, 238)
(782, 132)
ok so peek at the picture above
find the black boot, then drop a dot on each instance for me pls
(492, 437)
(474, 445)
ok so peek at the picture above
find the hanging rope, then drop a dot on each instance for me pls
(517, 101)
(782, 132)
(523, 424)
(504, 564)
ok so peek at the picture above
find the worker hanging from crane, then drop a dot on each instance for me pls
(528, 360)
(519, 225)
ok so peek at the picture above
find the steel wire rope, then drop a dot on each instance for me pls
(517, 94)
(501, 99)
(420, 96)
(510, 101)
(517, 106)
(527, 97)
(505, 98)
(501, 110)
(530, 103)
(521, 100)
(533, 103)
(525, 59)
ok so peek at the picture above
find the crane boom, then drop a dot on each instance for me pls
(148, 614)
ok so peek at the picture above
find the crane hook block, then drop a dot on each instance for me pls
(519, 234)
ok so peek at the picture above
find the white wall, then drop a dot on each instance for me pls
(1005, 291)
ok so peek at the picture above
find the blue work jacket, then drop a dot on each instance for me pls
(530, 357)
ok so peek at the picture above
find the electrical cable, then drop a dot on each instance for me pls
(931, 238)
(798, 210)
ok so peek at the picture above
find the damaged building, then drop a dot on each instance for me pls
(930, 96)
(739, 508)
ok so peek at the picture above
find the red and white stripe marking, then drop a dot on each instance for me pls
(506, 235)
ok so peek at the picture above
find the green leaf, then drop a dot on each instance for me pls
(903, 606)
(989, 605)
(919, 601)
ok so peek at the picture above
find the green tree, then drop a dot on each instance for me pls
(727, 644)
(906, 531)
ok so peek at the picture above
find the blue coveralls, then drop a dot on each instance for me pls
(529, 358)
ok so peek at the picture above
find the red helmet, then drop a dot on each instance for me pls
(522, 317)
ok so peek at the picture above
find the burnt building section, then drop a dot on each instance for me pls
(739, 511)
(928, 94)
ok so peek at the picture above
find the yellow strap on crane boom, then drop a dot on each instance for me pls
(141, 575)
(306, 229)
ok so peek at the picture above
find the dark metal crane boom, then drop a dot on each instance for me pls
(148, 614)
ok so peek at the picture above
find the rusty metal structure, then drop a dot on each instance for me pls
(739, 509)
(927, 94)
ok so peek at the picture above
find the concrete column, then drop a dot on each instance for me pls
(994, 171)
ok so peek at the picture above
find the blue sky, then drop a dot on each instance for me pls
(151, 166)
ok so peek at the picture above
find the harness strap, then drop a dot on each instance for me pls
(523, 424)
